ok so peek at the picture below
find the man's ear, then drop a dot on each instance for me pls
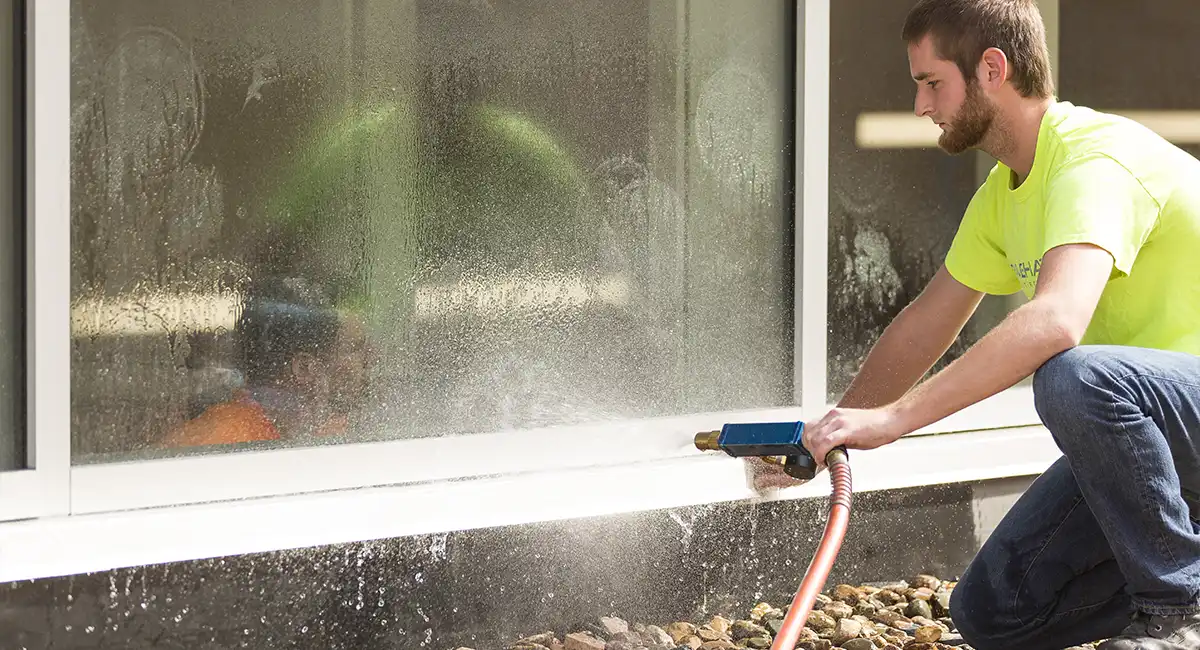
(993, 68)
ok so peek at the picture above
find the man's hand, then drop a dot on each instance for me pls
(854, 429)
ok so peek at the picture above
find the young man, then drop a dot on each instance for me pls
(1097, 220)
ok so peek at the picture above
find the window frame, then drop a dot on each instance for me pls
(95, 517)
(44, 488)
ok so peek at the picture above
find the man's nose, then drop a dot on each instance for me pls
(920, 106)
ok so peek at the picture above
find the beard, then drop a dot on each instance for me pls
(971, 125)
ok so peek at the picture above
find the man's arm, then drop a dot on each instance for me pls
(1070, 282)
(909, 346)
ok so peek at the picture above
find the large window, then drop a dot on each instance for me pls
(513, 253)
(351, 220)
(12, 235)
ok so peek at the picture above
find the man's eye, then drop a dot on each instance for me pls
(934, 84)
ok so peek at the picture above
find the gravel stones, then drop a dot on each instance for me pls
(846, 629)
(583, 641)
(656, 636)
(912, 615)
(611, 625)
(680, 631)
(838, 610)
(820, 621)
(928, 634)
(918, 607)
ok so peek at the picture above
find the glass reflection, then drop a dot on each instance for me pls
(337, 221)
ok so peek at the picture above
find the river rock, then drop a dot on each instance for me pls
(865, 608)
(940, 604)
(680, 630)
(720, 624)
(655, 635)
(927, 634)
(764, 612)
(923, 593)
(888, 617)
(889, 597)
(820, 621)
(545, 639)
(858, 644)
(846, 629)
(776, 624)
(706, 633)
(692, 642)
(719, 644)
(838, 609)
(758, 642)
(821, 601)
(612, 625)
(747, 629)
(925, 580)
(583, 641)
(918, 608)
(847, 594)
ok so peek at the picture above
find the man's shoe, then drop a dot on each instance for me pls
(1148, 632)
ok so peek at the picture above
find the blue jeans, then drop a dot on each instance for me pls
(1111, 526)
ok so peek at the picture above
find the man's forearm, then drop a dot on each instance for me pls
(901, 356)
(1012, 351)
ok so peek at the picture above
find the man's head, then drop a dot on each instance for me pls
(293, 339)
(969, 57)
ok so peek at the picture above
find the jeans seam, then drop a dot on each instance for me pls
(1028, 569)
(1143, 495)
(1148, 375)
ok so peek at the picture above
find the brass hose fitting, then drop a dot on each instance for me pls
(707, 440)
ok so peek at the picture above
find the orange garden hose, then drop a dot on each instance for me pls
(827, 550)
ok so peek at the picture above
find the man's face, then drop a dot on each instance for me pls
(955, 104)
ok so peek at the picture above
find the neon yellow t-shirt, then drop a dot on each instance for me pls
(1103, 180)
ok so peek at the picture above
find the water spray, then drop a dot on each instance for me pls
(780, 443)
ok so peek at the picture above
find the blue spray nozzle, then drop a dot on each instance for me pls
(761, 439)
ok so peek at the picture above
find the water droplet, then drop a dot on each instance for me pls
(304, 630)
(380, 602)
(89, 629)
(178, 617)
(246, 631)
(70, 627)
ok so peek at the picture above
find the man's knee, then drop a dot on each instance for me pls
(1060, 385)
(973, 608)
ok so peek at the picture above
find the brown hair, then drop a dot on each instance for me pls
(963, 29)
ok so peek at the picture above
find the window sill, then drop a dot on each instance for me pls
(67, 545)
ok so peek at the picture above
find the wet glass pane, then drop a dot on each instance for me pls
(12, 238)
(893, 210)
(337, 220)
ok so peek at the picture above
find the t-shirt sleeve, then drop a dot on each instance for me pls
(1095, 200)
(975, 257)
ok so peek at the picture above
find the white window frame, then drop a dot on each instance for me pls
(44, 488)
(96, 517)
